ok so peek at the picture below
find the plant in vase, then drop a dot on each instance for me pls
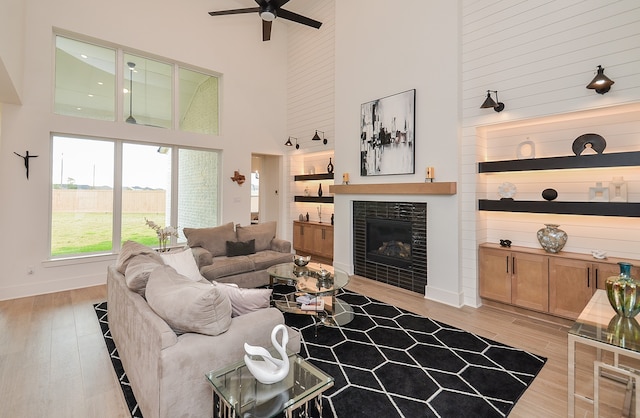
(164, 234)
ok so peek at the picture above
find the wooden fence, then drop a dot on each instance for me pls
(133, 201)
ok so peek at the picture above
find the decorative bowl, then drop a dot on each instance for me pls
(300, 260)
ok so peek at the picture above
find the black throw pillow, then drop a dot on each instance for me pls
(236, 248)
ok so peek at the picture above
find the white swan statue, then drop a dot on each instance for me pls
(269, 369)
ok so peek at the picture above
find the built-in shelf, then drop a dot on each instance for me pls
(618, 159)
(313, 199)
(442, 188)
(563, 208)
(320, 176)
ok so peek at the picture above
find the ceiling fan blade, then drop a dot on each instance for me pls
(278, 3)
(235, 11)
(294, 17)
(266, 30)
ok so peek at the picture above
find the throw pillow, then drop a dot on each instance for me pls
(184, 263)
(188, 306)
(138, 270)
(245, 300)
(211, 239)
(263, 233)
(131, 249)
(236, 248)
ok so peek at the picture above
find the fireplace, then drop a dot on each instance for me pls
(390, 243)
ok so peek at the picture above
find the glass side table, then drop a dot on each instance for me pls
(598, 326)
(236, 393)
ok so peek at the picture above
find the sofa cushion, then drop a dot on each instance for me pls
(129, 250)
(227, 266)
(187, 306)
(263, 234)
(183, 262)
(212, 239)
(245, 300)
(268, 258)
(138, 270)
(236, 248)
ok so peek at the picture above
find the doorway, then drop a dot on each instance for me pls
(265, 186)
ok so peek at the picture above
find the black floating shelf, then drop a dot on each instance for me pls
(563, 208)
(313, 199)
(618, 159)
(321, 176)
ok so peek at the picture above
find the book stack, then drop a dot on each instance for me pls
(308, 303)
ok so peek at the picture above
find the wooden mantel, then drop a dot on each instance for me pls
(443, 188)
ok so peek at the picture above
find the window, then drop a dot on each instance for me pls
(85, 80)
(154, 92)
(103, 190)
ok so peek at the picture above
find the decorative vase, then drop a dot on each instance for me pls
(330, 166)
(552, 238)
(306, 191)
(320, 190)
(332, 219)
(307, 217)
(623, 292)
(625, 332)
(549, 194)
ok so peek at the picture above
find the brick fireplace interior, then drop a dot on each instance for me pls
(390, 243)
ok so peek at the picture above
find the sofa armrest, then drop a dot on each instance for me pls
(203, 257)
(281, 245)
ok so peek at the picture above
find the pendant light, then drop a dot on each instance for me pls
(132, 66)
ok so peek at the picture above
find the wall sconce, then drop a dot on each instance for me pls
(600, 83)
(288, 143)
(317, 138)
(489, 103)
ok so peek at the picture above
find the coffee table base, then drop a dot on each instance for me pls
(302, 409)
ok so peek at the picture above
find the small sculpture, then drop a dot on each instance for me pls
(505, 243)
(26, 160)
(594, 141)
(269, 369)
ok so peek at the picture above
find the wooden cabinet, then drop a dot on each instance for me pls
(559, 284)
(314, 239)
(517, 278)
(571, 285)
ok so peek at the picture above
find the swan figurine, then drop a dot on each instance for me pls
(269, 369)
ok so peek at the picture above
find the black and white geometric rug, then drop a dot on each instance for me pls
(388, 362)
(132, 404)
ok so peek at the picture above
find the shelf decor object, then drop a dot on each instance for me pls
(593, 141)
(526, 149)
(549, 194)
(618, 190)
(552, 238)
(623, 292)
(506, 191)
(598, 193)
(388, 123)
(330, 166)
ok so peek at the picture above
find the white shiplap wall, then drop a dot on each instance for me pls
(539, 55)
(310, 105)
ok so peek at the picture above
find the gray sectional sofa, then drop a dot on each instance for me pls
(151, 309)
(220, 256)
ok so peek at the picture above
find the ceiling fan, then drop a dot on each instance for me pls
(269, 10)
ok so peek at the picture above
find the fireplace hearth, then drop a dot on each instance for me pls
(390, 243)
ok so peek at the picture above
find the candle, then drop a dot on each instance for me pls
(430, 174)
(345, 177)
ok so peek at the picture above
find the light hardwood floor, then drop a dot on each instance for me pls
(54, 363)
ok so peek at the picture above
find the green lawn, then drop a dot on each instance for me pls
(78, 233)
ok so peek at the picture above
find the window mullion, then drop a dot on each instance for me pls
(175, 166)
(117, 197)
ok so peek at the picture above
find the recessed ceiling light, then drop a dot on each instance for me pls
(125, 91)
(90, 95)
(100, 83)
(78, 108)
(84, 56)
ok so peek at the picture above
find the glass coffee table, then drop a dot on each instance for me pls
(237, 394)
(316, 281)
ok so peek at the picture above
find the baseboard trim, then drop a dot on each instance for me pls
(42, 288)
(444, 296)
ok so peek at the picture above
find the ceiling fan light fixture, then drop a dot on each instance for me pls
(268, 14)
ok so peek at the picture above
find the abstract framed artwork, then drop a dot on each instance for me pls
(387, 135)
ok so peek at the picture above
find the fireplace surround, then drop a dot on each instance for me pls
(399, 230)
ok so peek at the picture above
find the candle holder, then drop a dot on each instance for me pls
(345, 178)
(429, 174)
